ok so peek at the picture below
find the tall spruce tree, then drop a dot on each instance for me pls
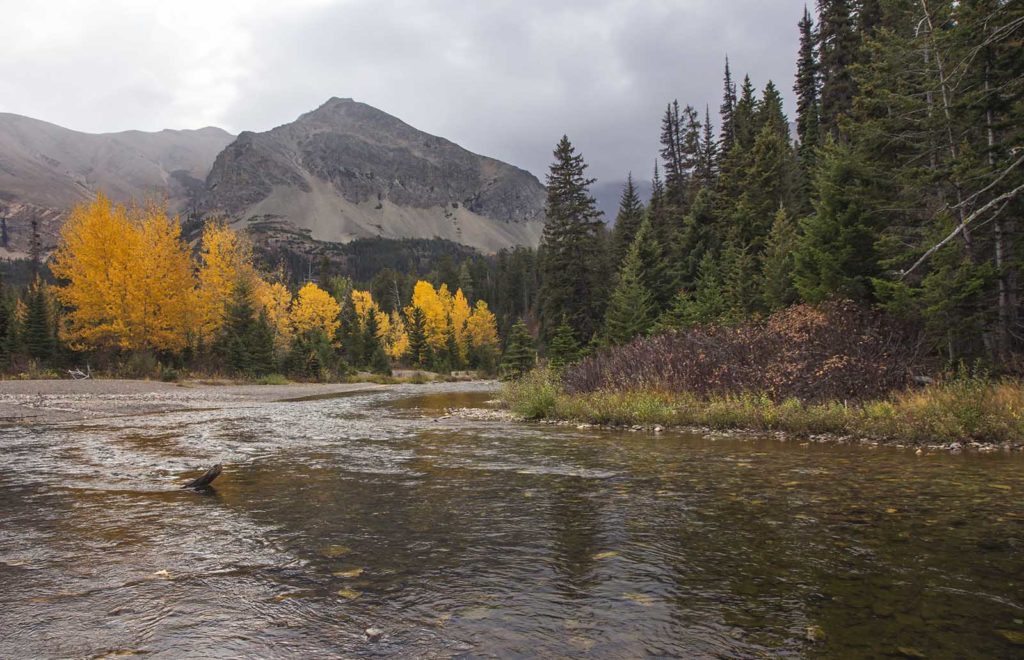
(37, 332)
(419, 349)
(563, 349)
(631, 309)
(727, 134)
(837, 52)
(807, 120)
(574, 269)
(836, 256)
(627, 222)
(5, 322)
(520, 355)
(778, 289)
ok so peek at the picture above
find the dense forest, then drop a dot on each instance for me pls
(900, 190)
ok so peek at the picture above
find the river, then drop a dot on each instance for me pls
(481, 537)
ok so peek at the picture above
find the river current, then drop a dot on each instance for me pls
(469, 537)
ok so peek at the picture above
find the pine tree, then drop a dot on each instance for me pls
(697, 238)
(627, 222)
(837, 49)
(466, 281)
(574, 265)
(727, 136)
(806, 89)
(563, 349)
(778, 289)
(37, 334)
(373, 348)
(261, 347)
(707, 171)
(520, 356)
(705, 304)
(836, 254)
(238, 330)
(419, 350)
(631, 308)
(351, 335)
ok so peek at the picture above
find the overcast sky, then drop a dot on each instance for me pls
(503, 78)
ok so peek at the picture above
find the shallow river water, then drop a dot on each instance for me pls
(470, 538)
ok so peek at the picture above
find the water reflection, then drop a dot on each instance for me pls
(462, 537)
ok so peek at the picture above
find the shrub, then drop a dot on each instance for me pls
(834, 351)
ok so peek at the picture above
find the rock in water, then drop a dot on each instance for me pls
(374, 634)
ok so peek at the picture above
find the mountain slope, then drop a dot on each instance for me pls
(347, 170)
(46, 169)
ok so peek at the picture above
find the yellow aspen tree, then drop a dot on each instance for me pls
(482, 327)
(315, 309)
(396, 341)
(430, 302)
(94, 257)
(459, 313)
(162, 288)
(275, 300)
(225, 259)
(362, 302)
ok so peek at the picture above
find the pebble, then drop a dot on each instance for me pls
(373, 634)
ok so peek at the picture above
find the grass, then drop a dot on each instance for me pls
(957, 410)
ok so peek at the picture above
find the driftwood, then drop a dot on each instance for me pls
(205, 480)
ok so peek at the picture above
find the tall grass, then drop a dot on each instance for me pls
(959, 409)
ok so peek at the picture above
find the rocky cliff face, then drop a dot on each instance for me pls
(46, 169)
(347, 170)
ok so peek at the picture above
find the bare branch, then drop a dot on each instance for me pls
(959, 228)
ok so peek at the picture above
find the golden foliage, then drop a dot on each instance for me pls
(315, 309)
(129, 278)
(482, 327)
(428, 300)
(396, 338)
(275, 301)
(225, 259)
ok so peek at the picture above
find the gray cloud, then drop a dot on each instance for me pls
(502, 78)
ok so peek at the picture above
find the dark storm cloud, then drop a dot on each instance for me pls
(501, 78)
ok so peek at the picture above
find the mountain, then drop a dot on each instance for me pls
(46, 169)
(348, 170)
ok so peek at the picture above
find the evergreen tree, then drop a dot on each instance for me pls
(419, 350)
(627, 222)
(247, 338)
(261, 347)
(37, 336)
(520, 356)
(373, 349)
(631, 309)
(727, 136)
(707, 170)
(351, 334)
(574, 265)
(806, 89)
(705, 304)
(837, 49)
(836, 255)
(563, 349)
(778, 289)
(697, 238)
(466, 281)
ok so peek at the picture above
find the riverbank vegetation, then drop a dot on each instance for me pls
(809, 282)
(130, 297)
(960, 410)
